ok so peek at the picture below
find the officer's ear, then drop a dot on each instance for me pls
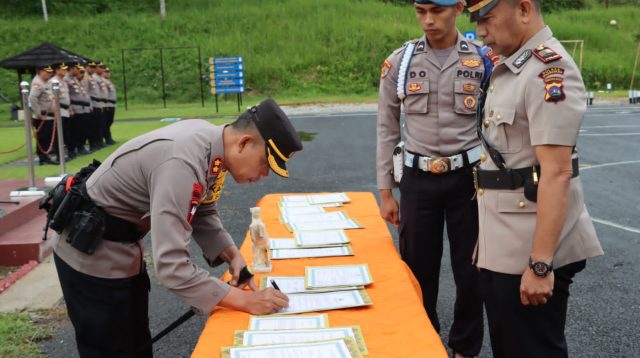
(459, 8)
(525, 10)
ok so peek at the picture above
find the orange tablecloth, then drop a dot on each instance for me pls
(396, 325)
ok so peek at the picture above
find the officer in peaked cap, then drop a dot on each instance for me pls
(436, 79)
(109, 106)
(60, 70)
(42, 113)
(167, 182)
(535, 231)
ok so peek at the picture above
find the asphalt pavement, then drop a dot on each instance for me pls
(604, 307)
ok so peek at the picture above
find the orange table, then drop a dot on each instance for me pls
(396, 325)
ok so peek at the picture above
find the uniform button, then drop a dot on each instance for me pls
(491, 88)
(491, 113)
(486, 123)
(522, 205)
(499, 117)
(483, 157)
(480, 192)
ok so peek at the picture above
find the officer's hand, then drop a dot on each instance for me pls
(260, 302)
(236, 263)
(389, 208)
(535, 290)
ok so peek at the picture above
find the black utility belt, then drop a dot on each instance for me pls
(80, 103)
(510, 179)
(64, 106)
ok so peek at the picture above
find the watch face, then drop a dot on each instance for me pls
(540, 268)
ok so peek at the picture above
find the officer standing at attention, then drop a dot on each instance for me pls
(168, 182)
(95, 92)
(110, 106)
(60, 70)
(535, 231)
(437, 79)
(87, 117)
(80, 107)
(42, 114)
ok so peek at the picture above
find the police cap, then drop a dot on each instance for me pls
(281, 139)
(479, 8)
(437, 2)
(46, 68)
(60, 66)
(92, 63)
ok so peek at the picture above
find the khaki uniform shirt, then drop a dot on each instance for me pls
(166, 181)
(80, 100)
(439, 107)
(95, 92)
(41, 99)
(529, 103)
(110, 99)
(65, 102)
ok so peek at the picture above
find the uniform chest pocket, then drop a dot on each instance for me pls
(417, 100)
(503, 132)
(465, 96)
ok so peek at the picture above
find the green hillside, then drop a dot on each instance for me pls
(292, 48)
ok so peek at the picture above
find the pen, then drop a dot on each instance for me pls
(273, 283)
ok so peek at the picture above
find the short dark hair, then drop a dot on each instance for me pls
(244, 123)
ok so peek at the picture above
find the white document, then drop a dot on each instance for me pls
(304, 302)
(301, 210)
(314, 252)
(258, 323)
(303, 218)
(332, 276)
(328, 198)
(296, 284)
(320, 238)
(283, 244)
(295, 204)
(256, 338)
(329, 349)
(325, 225)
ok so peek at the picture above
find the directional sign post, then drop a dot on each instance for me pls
(227, 77)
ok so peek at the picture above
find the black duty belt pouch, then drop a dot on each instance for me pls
(86, 229)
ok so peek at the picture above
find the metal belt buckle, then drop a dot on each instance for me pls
(440, 165)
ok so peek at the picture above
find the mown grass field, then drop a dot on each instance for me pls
(311, 49)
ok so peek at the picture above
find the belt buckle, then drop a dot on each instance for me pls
(439, 165)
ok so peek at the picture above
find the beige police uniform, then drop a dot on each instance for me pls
(96, 91)
(530, 103)
(110, 99)
(430, 88)
(440, 100)
(150, 181)
(64, 100)
(41, 99)
(78, 96)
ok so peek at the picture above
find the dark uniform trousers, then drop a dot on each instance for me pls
(427, 202)
(110, 316)
(45, 133)
(527, 331)
(95, 128)
(110, 113)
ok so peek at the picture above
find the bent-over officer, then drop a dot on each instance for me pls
(535, 231)
(166, 182)
(42, 114)
(437, 79)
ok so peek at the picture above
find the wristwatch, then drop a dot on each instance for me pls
(540, 268)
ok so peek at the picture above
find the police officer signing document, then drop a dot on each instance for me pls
(166, 182)
(437, 79)
(535, 231)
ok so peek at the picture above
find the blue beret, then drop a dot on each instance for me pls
(438, 2)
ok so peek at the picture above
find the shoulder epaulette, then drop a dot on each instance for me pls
(545, 54)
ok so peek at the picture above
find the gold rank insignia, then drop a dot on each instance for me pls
(216, 167)
(384, 71)
(216, 189)
(469, 87)
(471, 63)
(414, 87)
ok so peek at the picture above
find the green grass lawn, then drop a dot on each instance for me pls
(122, 132)
(19, 336)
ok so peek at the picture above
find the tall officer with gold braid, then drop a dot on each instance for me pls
(166, 182)
(535, 231)
(437, 79)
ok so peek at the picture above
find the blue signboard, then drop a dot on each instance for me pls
(226, 75)
(470, 35)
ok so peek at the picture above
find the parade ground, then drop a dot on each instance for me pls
(339, 155)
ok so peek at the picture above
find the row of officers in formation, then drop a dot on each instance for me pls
(87, 101)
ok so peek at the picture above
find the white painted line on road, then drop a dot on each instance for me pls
(608, 134)
(617, 226)
(618, 126)
(609, 164)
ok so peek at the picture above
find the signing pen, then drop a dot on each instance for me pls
(273, 283)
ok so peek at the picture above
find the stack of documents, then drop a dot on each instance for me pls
(317, 199)
(312, 244)
(343, 348)
(335, 277)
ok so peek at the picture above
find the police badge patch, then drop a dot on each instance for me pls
(473, 63)
(553, 78)
(414, 87)
(384, 71)
(522, 59)
(470, 102)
